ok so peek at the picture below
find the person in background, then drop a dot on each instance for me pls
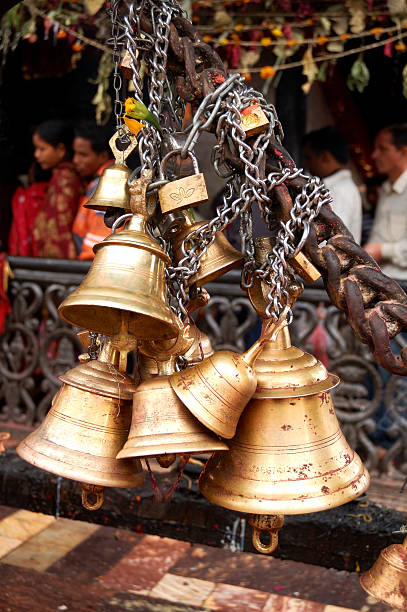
(92, 155)
(43, 213)
(326, 156)
(387, 243)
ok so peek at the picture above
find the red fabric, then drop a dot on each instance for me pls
(53, 222)
(43, 215)
(318, 339)
(25, 204)
(5, 307)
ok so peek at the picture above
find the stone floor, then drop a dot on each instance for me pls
(49, 564)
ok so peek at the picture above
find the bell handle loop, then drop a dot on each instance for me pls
(119, 221)
(94, 490)
(121, 156)
(269, 333)
(266, 549)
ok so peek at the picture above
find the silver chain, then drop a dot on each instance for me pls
(117, 79)
(221, 111)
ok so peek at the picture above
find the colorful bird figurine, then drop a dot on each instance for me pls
(133, 110)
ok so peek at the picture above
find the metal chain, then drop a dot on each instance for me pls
(221, 108)
(224, 106)
(307, 206)
(132, 34)
(117, 79)
(161, 16)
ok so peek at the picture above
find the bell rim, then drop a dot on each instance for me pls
(213, 275)
(104, 207)
(286, 507)
(165, 319)
(33, 456)
(179, 448)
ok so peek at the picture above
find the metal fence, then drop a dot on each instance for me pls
(38, 346)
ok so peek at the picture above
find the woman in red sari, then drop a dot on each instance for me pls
(43, 213)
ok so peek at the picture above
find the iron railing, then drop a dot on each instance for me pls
(38, 346)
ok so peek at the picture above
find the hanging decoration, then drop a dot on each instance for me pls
(251, 37)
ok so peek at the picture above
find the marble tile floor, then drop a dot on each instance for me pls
(51, 565)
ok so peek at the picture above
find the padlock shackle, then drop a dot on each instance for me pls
(177, 152)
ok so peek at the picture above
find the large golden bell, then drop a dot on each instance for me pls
(112, 189)
(387, 579)
(125, 286)
(217, 389)
(289, 455)
(86, 427)
(220, 257)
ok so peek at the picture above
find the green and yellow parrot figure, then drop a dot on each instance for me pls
(133, 110)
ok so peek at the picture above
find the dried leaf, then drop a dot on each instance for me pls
(359, 75)
(357, 10)
(310, 69)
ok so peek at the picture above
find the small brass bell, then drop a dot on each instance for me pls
(112, 189)
(161, 424)
(387, 579)
(87, 425)
(217, 389)
(125, 286)
(289, 455)
(220, 257)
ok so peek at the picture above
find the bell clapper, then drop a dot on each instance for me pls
(165, 461)
(270, 523)
(92, 496)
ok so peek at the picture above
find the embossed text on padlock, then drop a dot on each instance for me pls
(254, 121)
(183, 193)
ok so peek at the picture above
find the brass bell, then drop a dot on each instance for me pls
(112, 189)
(387, 578)
(289, 455)
(87, 425)
(161, 424)
(125, 286)
(217, 389)
(220, 257)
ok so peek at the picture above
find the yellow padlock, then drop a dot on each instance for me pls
(254, 120)
(185, 192)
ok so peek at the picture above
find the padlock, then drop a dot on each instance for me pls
(185, 192)
(254, 121)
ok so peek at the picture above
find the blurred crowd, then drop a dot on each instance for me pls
(50, 219)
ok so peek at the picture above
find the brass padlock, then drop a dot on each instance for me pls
(185, 192)
(254, 121)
